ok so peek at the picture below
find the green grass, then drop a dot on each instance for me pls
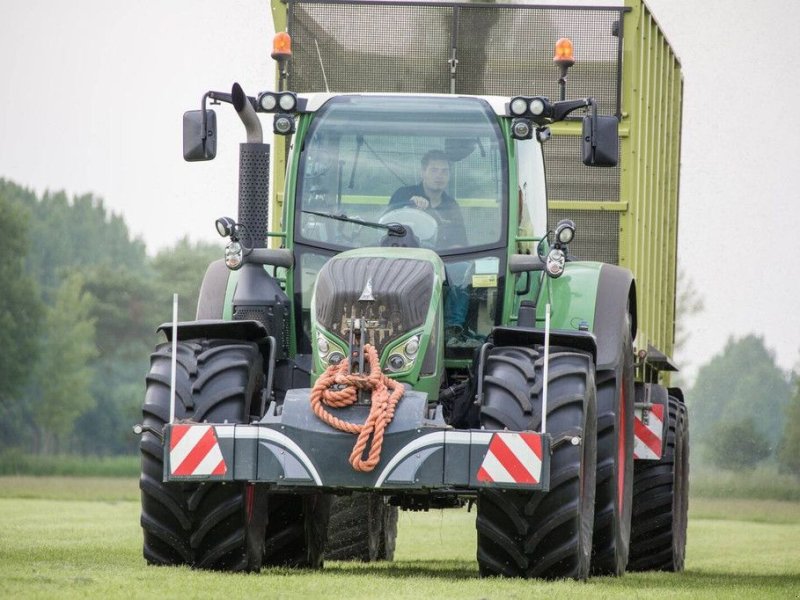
(79, 538)
(762, 483)
(14, 462)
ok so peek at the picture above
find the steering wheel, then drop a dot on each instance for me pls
(424, 226)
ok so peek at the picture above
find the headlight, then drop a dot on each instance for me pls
(268, 101)
(287, 102)
(537, 107)
(396, 363)
(555, 262)
(412, 347)
(518, 106)
(521, 129)
(329, 351)
(283, 124)
(234, 255)
(565, 231)
(402, 355)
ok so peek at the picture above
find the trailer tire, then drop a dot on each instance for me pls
(614, 493)
(661, 500)
(297, 528)
(362, 527)
(204, 525)
(541, 534)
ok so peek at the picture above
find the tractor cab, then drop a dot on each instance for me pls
(398, 171)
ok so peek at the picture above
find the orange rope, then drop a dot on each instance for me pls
(380, 415)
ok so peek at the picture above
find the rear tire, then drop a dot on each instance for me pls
(296, 530)
(661, 500)
(205, 525)
(541, 534)
(362, 527)
(614, 494)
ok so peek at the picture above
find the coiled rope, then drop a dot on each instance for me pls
(386, 393)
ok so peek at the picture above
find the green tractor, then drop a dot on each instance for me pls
(414, 336)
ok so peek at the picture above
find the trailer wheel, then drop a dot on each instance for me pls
(296, 529)
(204, 525)
(661, 500)
(541, 534)
(614, 494)
(362, 527)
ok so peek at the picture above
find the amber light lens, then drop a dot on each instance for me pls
(564, 51)
(281, 45)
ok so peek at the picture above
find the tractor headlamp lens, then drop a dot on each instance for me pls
(521, 129)
(537, 107)
(283, 124)
(287, 102)
(555, 262)
(565, 231)
(412, 346)
(225, 226)
(268, 101)
(234, 255)
(335, 358)
(322, 345)
(396, 362)
(518, 106)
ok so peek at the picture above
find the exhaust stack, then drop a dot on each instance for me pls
(253, 174)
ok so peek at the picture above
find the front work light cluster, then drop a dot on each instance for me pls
(283, 104)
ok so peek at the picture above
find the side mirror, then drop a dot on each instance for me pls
(199, 135)
(604, 152)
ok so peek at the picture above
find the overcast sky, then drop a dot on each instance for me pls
(93, 91)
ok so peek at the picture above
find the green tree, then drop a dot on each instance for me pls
(789, 452)
(125, 334)
(738, 444)
(64, 371)
(180, 269)
(741, 382)
(20, 308)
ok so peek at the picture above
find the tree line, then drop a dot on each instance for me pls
(81, 299)
(80, 303)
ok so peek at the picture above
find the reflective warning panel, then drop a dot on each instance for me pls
(648, 431)
(513, 458)
(194, 451)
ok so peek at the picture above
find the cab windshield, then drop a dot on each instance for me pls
(434, 165)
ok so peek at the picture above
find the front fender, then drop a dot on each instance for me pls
(599, 295)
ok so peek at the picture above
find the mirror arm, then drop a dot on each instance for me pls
(561, 110)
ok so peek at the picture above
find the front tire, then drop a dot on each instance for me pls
(661, 500)
(541, 534)
(614, 494)
(205, 525)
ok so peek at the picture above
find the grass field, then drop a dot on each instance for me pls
(78, 538)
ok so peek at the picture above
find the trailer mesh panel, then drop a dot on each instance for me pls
(502, 50)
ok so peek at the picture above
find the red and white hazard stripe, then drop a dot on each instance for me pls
(512, 458)
(194, 450)
(648, 441)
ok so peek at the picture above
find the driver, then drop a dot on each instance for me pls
(430, 195)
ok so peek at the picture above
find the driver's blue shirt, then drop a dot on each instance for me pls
(451, 224)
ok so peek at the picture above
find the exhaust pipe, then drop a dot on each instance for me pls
(247, 114)
(253, 174)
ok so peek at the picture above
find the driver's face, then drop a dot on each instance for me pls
(436, 175)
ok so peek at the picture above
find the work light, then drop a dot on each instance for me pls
(225, 226)
(267, 101)
(565, 231)
(283, 124)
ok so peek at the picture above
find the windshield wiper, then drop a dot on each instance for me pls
(392, 228)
